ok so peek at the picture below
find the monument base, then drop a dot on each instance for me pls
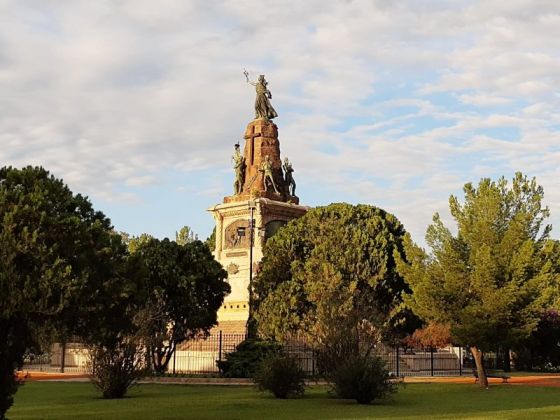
(232, 250)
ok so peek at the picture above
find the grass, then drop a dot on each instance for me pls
(58, 400)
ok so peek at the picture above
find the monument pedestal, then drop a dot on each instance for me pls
(258, 170)
(233, 250)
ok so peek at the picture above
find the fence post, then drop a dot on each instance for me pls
(432, 360)
(220, 346)
(63, 356)
(313, 360)
(460, 361)
(398, 361)
(174, 359)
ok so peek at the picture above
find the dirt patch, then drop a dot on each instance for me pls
(536, 380)
(553, 381)
(45, 376)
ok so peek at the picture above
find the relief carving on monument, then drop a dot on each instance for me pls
(237, 235)
(232, 268)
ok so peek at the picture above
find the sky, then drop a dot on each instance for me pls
(138, 103)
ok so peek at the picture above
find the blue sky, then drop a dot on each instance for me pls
(138, 103)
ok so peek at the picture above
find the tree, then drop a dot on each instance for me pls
(432, 335)
(487, 280)
(133, 242)
(331, 270)
(116, 348)
(544, 343)
(56, 253)
(185, 235)
(185, 287)
(211, 240)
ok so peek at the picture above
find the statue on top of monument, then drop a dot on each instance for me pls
(263, 107)
(266, 169)
(239, 167)
(289, 178)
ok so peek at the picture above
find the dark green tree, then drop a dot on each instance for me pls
(332, 270)
(56, 252)
(489, 280)
(185, 286)
(112, 336)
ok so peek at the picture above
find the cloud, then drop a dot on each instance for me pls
(401, 103)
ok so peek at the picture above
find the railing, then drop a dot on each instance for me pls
(199, 357)
(423, 361)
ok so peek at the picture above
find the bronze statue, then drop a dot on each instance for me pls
(239, 167)
(266, 169)
(289, 179)
(263, 107)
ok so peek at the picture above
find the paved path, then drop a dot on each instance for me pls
(533, 380)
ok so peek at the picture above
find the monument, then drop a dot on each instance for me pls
(263, 200)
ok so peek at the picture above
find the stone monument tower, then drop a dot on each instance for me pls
(263, 200)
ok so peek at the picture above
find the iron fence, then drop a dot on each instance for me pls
(423, 361)
(200, 357)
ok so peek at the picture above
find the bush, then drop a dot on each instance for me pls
(243, 362)
(115, 368)
(361, 377)
(281, 375)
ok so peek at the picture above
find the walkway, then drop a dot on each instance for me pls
(530, 380)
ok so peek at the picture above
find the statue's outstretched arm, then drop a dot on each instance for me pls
(246, 73)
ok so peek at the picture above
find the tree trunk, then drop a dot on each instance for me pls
(161, 357)
(507, 361)
(478, 359)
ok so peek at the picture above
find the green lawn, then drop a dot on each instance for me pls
(40, 400)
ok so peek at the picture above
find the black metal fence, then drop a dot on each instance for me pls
(199, 357)
(423, 361)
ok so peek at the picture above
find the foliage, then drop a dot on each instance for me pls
(331, 270)
(362, 377)
(348, 363)
(184, 288)
(117, 367)
(281, 375)
(211, 240)
(549, 258)
(56, 253)
(340, 347)
(546, 339)
(248, 354)
(542, 350)
(114, 342)
(185, 236)
(434, 335)
(486, 281)
(133, 242)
